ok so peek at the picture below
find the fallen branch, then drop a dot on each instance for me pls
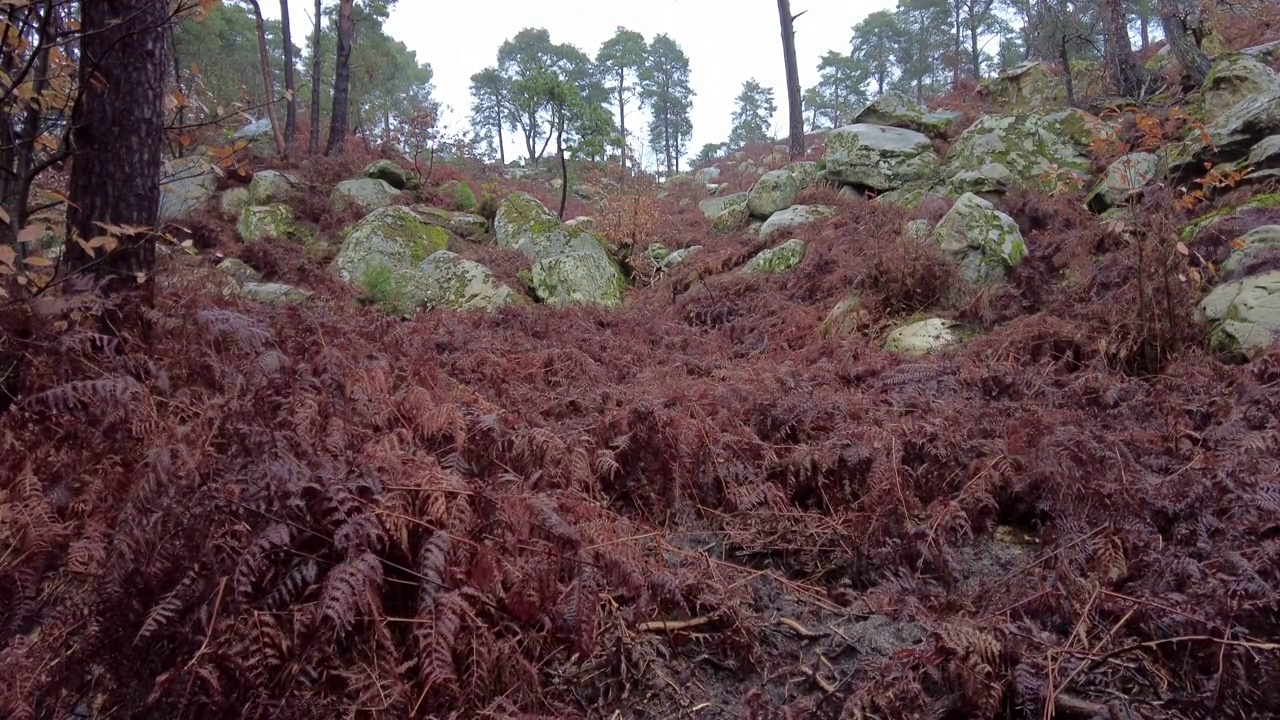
(672, 625)
(799, 629)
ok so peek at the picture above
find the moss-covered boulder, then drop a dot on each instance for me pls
(733, 217)
(1259, 209)
(525, 224)
(677, 257)
(233, 201)
(807, 173)
(911, 198)
(239, 270)
(1247, 311)
(775, 190)
(382, 253)
(446, 280)
(364, 195)
(707, 175)
(265, 222)
(468, 226)
(1038, 151)
(712, 207)
(897, 110)
(459, 195)
(1031, 84)
(272, 293)
(1253, 246)
(794, 217)
(1124, 177)
(390, 173)
(187, 185)
(272, 186)
(1235, 78)
(986, 241)
(845, 320)
(585, 224)
(776, 260)
(578, 278)
(879, 157)
(920, 338)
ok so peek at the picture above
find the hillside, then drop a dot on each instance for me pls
(973, 412)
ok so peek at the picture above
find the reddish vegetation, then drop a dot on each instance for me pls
(706, 497)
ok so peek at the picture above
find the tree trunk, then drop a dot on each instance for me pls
(975, 49)
(502, 149)
(264, 64)
(118, 129)
(795, 105)
(341, 78)
(564, 165)
(955, 61)
(622, 116)
(24, 144)
(1064, 56)
(1193, 60)
(1144, 23)
(290, 89)
(313, 145)
(1118, 53)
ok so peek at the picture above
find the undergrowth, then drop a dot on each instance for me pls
(316, 510)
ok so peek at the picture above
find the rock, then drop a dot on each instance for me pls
(1124, 177)
(921, 337)
(1234, 79)
(239, 271)
(1252, 246)
(460, 196)
(265, 222)
(806, 173)
(1262, 207)
(526, 225)
(714, 188)
(998, 151)
(272, 293)
(271, 186)
(794, 217)
(732, 218)
(390, 173)
(679, 256)
(187, 185)
(712, 207)
(1029, 84)
(777, 260)
(657, 252)
(986, 240)
(775, 190)
(582, 223)
(1249, 311)
(919, 229)
(879, 157)
(578, 278)
(897, 110)
(1235, 130)
(447, 280)
(911, 198)
(467, 225)
(1266, 52)
(365, 195)
(384, 251)
(707, 175)
(233, 201)
(260, 138)
(844, 320)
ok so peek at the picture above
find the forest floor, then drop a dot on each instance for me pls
(709, 503)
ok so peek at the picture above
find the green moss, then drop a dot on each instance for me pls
(1259, 202)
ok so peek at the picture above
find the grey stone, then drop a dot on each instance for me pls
(879, 157)
(794, 217)
(775, 190)
(986, 241)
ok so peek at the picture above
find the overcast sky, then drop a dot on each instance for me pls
(727, 41)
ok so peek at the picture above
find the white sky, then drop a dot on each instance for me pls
(727, 41)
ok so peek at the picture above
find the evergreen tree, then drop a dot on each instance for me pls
(621, 60)
(664, 87)
(753, 115)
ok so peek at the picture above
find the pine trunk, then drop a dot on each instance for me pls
(290, 89)
(268, 92)
(795, 105)
(313, 145)
(341, 78)
(1118, 53)
(1193, 60)
(118, 130)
